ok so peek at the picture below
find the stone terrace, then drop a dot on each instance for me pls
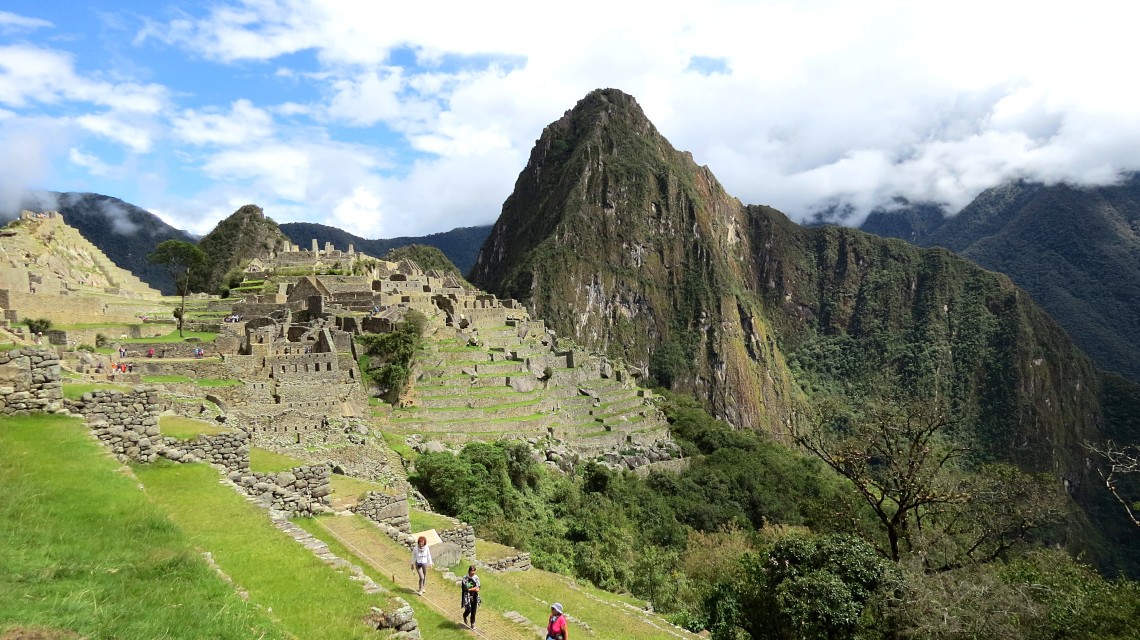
(497, 390)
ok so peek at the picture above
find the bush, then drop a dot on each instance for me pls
(38, 325)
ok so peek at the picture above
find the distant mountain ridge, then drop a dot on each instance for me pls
(1075, 250)
(460, 245)
(123, 232)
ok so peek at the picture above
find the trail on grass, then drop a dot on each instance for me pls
(439, 595)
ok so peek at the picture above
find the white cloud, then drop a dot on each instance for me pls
(812, 103)
(91, 163)
(244, 123)
(30, 74)
(12, 22)
(113, 127)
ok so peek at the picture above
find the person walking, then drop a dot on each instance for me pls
(556, 628)
(421, 560)
(471, 598)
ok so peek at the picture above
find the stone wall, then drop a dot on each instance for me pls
(230, 450)
(462, 536)
(127, 423)
(30, 381)
(301, 490)
(517, 562)
(383, 508)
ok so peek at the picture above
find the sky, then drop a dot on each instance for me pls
(402, 119)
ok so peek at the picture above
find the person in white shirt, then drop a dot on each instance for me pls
(421, 560)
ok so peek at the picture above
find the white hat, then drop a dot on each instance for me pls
(557, 607)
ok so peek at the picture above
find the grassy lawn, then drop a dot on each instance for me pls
(424, 520)
(396, 443)
(84, 550)
(305, 596)
(188, 428)
(265, 460)
(75, 390)
(347, 490)
(218, 382)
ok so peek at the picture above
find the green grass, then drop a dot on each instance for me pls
(423, 520)
(75, 390)
(433, 626)
(305, 596)
(9, 346)
(85, 551)
(219, 382)
(203, 336)
(396, 443)
(265, 460)
(167, 379)
(188, 428)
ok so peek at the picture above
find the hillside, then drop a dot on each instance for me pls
(1075, 250)
(460, 245)
(246, 234)
(624, 244)
(122, 231)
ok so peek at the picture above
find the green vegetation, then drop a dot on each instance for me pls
(388, 357)
(38, 325)
(85, 552)
(265, 460)
(75, 390)
(305, 596)
(182, 260)
(246, 234)
(188, 428)
(424, 520)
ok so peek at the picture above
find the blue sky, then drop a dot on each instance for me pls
(391, 120)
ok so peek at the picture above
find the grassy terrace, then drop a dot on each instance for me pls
(265, 460)
(424, 520)
(305, 596)
(75, 390)
(85, 552)
(188, 428)
(202, 336)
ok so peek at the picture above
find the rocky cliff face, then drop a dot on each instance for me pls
(625, 244)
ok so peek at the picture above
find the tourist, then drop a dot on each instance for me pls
(421, 560)
(150, 352)
(470, 600)
(556, 628)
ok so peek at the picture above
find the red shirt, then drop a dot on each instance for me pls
(557, 625)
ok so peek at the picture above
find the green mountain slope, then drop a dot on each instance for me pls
(1076, 251)
(623, 243)
(245, 235)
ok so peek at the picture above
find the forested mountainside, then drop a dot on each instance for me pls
(625, 244)
(246, 234)
(460, 245)
(1075, 250)
(123, 232)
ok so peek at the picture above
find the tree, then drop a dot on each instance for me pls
(181, 259)
(905, 464)
(389, 357)
(1123, 461)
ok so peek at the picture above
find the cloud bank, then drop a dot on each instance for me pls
(409, 119)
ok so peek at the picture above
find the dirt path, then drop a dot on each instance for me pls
(379, 553)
